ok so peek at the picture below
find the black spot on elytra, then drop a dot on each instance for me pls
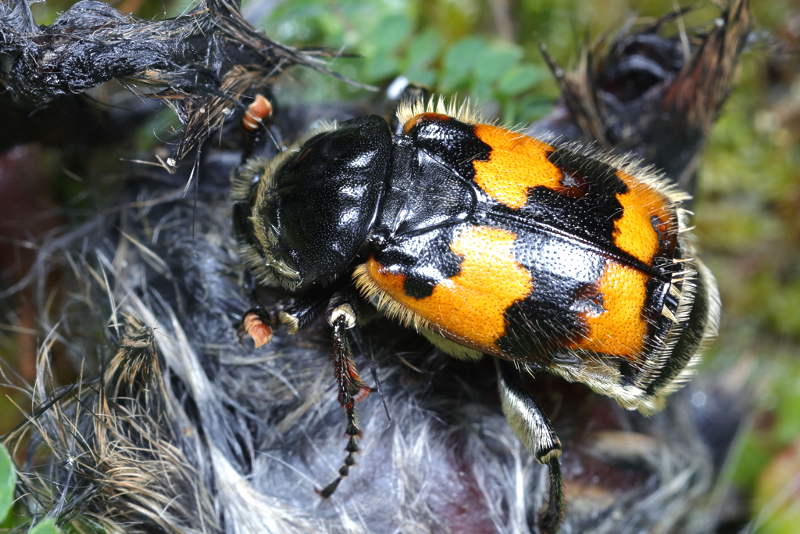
(667, 237)
(564, 283)
(581, 171)
(535, 327)
(418, 287)
(587, 205)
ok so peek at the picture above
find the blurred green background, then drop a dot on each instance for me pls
(748, 203)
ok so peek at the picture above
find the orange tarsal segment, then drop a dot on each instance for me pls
(516, 164)
(470, 306)
(633, 231)
(620, 330)
(258, 331)
(410, 123)
(258, 111)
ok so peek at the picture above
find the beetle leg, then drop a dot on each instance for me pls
(405, 93)
(297, 312)
(550, 520)
(255, 324)
(293, 313)
(351, 388)
(254, 124)
(534, 430)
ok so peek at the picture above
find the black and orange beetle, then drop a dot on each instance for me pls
(549, 257)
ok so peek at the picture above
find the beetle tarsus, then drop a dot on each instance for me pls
(550, 520)
(255, 324)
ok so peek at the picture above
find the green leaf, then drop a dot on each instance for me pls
(518, 79)
(423, 49)
(492, 62)
(390, 32)
(532, 107)
(379, 67)
(8, 479)
(420, 76)
(480, 91)
(459, 61)
(48, 526)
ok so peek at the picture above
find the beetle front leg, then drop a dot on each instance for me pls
(534, 430)
(293, 313)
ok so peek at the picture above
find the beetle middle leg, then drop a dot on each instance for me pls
(534, 430)
(351, 388)
(253, 124)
